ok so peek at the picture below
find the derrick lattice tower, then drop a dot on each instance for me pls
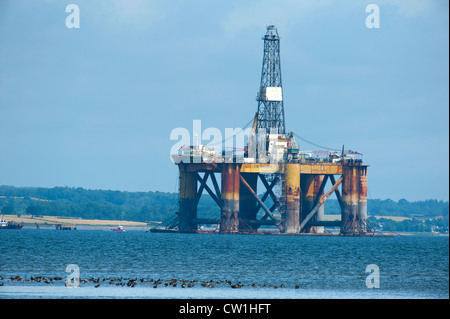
(270, 94)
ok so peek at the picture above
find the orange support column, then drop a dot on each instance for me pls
(229, 221)
(350, 221)
(362, 208)
(291, 189)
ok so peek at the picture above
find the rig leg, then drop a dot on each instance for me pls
(187, 201)
(229, 221)
(350, 220)
(362, 209)
(291, 189)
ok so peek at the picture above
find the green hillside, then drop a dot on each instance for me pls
(159, 206)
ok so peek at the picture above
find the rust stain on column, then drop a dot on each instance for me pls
(291, 187)
(229, 221)
(350, 197)
(362, 207)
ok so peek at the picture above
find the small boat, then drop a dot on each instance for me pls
(118, 228)
(65, 226)
(4, 224)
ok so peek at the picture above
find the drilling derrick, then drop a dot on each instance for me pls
(270, 94)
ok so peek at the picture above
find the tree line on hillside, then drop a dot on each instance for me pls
(160, 206)
(95, 204)
(436, 225)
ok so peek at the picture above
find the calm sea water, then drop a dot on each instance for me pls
(320, 266)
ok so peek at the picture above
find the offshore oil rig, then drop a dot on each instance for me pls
(295, 181)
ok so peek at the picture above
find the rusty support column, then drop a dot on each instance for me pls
(350, 197)
(291, 189)
(319, 216)
(229, 220)
(362, 207)
(307, 196)
(187, 200)
(247, 203)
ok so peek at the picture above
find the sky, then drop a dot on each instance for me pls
(94, 106)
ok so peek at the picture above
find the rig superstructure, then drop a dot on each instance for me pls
(294, 180)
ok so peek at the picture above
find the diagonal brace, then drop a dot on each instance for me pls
(268, 212)
(205, 186)
(338, 194)
(268, 191)
(320, 202)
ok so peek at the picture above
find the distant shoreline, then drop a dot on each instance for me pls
(50, 222)
(53, 220)
(44, 221)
